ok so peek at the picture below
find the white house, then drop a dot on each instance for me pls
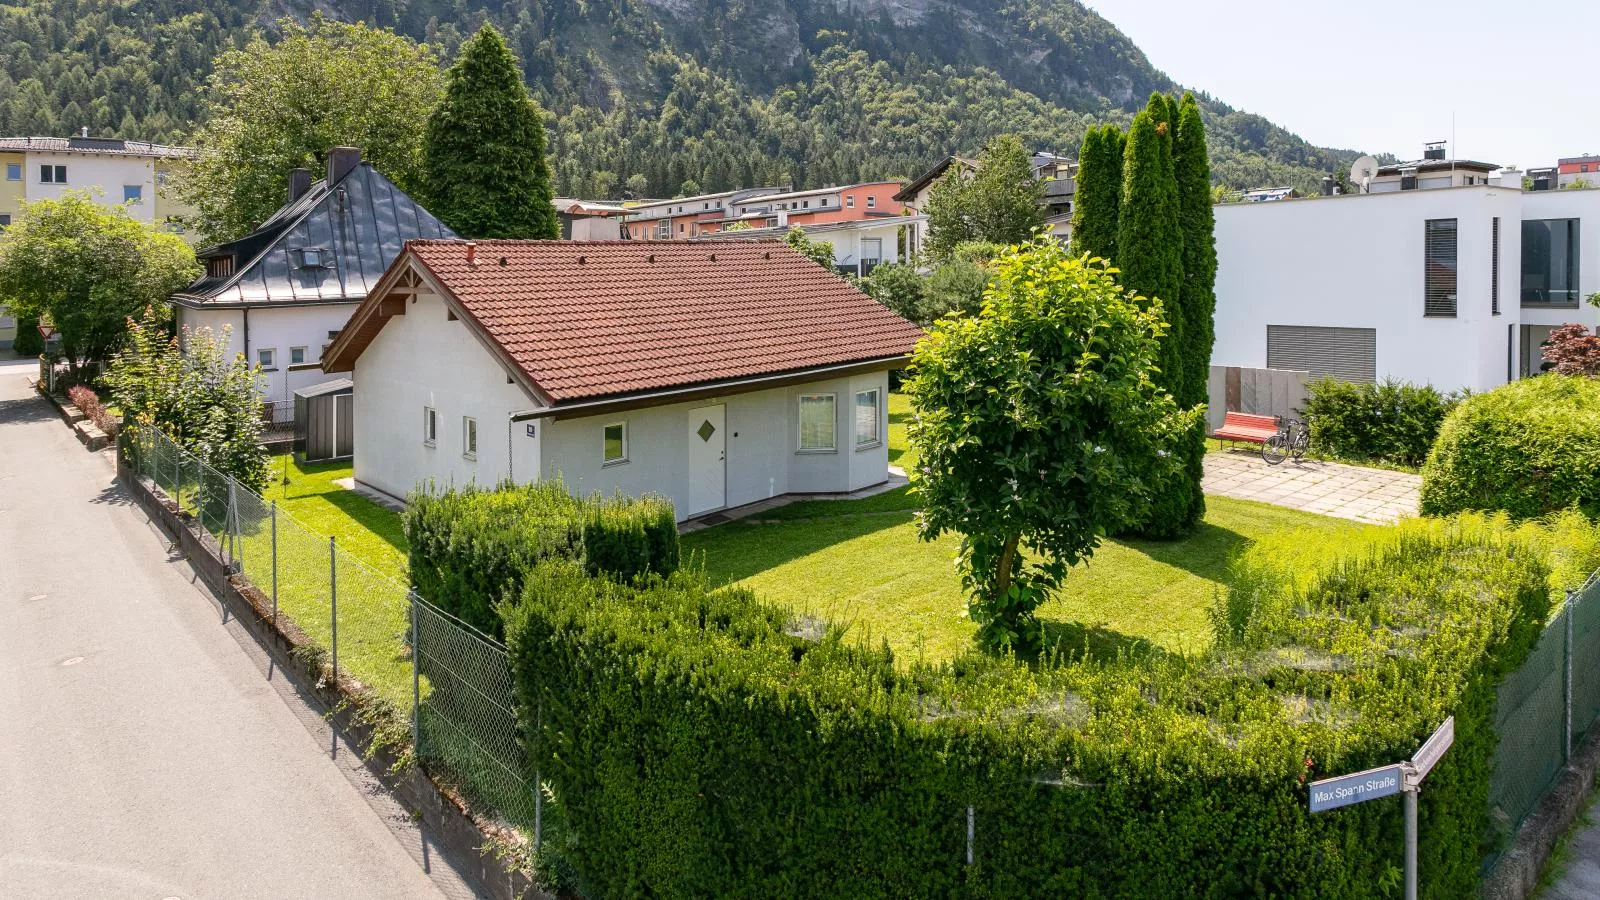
(1454, 286)
(287, 288)
(716, 373)
(859, 245)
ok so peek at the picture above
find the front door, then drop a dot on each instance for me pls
(708, 460)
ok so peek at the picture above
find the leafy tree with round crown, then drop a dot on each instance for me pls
(485, 173)
(1039, 428)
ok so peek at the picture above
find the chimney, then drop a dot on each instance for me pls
(341, 162)
(1433, 150)
(1327, 186)
(84, 131)
(472, 253)
(299, 183)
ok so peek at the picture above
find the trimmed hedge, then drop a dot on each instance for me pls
(470, 548)
(1390, 421)
(1529, 447)
(704, 743)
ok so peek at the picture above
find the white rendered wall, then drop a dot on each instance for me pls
(422, 359)
(279, 330)
(94, 172)
(1357, 261)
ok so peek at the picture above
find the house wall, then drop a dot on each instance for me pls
(279, 330)
(840, 210)
(762, 437)
(420, 360)
(1585, 207)
(95, 171)
(12, 193)
(1357, 261)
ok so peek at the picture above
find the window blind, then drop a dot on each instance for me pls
(1439, 268)
(1494, 267)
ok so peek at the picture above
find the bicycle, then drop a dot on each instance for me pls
(1292, 440)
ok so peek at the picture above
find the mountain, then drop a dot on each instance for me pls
(654, 97)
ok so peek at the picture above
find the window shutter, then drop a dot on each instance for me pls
(1349, 354)
(1439, 268)
(1494, 268)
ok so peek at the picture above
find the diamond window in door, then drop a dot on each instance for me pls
(706, 430)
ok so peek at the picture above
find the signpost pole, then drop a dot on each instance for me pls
(1410, 797)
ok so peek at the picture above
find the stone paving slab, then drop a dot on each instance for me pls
(1327, 488)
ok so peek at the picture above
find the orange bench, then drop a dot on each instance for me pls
(1246, 427)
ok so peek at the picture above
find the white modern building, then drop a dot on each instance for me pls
(859, 245)
(1454, 285)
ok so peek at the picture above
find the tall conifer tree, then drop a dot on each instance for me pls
(484, 168)
(1197, 222)
(1099, 194)
(1149, 245)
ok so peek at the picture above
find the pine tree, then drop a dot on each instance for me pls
(1149, 245)
(484, 166)
(1197, 222)
(1099, 194)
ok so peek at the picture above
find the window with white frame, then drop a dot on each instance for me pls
(267, 358)
(13, 171)
(469, 437)
(614, 443)
(866, 418)
(850, 201)
(817, 422)
(297, 356)
(872, 202)
(430, 426)
(664, 229)
(132, 193)
(52, 174)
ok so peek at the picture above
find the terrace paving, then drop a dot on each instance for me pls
(1378, 496)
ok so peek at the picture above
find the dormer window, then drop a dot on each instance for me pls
(312, 257)
(219, 266)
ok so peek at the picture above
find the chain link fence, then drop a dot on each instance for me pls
(1544, 708)
(455, 681)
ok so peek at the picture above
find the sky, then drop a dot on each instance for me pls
(1520, 79)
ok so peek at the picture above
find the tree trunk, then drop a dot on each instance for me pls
(1002, 576)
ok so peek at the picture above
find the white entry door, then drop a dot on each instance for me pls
(708, 459)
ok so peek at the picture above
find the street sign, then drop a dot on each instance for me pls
(1423, 761)
(46, 330)
(1357, 787)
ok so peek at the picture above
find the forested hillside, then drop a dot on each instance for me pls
(654, 97)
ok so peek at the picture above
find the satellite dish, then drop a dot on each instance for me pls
(1362, 171)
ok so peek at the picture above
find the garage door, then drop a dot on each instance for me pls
(1350, 354)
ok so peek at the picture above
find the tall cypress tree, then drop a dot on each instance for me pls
(484, 168)
(1099, 193)
(1197, 222)
(1149, 245)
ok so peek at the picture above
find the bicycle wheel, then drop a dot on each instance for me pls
(1302, 443)
(1275, 450)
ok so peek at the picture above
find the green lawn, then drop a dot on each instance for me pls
(372, 577)
(859, 562)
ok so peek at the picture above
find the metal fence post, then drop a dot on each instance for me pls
(333, 597)
(274, 564)
(538, 783)
(416, 683)
(177, 477)
(230, 523)
(972, 831)
(1573, 599)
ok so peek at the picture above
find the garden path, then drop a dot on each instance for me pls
(1328, 488)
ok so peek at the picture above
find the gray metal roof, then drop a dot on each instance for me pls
(361, 222)
(108, 146)
(336, 386)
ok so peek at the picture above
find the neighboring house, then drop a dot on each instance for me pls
(1263, 195)
(820, 206)
(1455, 286)
(590, 220)
(287, 288)
(1059, 173)
(1434, 170)
(686, 217)
(859, 246)
(112, 170)
(1583, 169)
(715, 373)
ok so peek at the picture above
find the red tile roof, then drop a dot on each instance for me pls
(590, 319)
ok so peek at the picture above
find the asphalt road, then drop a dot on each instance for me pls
(143, 752)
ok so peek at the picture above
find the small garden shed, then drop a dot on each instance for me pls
(324, 420)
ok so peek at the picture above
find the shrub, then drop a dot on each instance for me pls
(471, 547)
(1389, 422)
(28, 341)
(703, 743)
(89, 402)
(1529, 448)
